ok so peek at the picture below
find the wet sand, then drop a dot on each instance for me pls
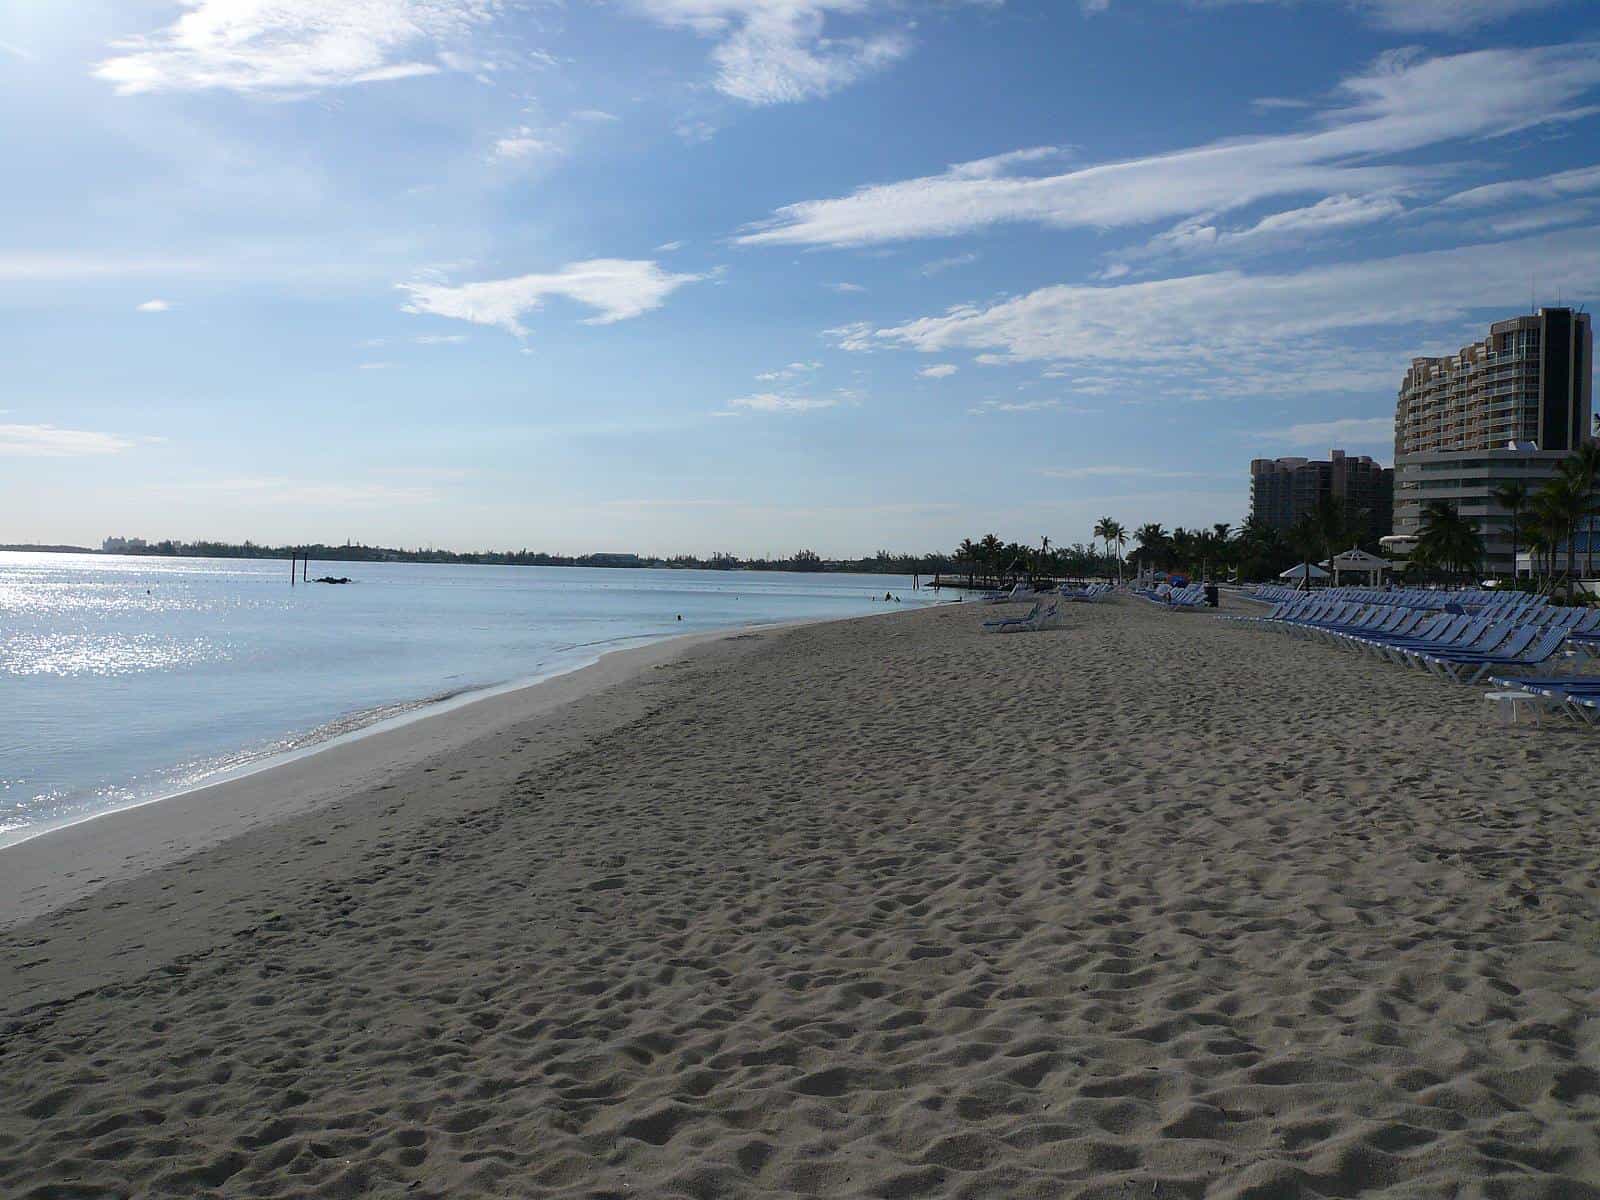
(1152, 905)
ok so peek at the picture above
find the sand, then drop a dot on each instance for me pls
(1152, 905)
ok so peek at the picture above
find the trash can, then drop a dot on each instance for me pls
(1212, 598)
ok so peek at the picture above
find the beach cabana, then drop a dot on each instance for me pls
(1298, 574)
(1354, 561)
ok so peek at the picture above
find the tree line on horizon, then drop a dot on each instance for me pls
(1449, 546)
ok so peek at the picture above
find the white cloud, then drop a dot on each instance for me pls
(1445, 16)
(1403, 16)
(1532, 220)
(780, 51)
(788, 372)
(669, 247)
(939, 371)
(772, 402)
(939, 265)
(1346, 431)
(153, 306)
(290, 47)
(1400, 104)
(439, 339)
(1274, 231)
(989, 407)
(374, 366)
(846, 288)
(616, 288)
(1562, 184)
(521, 145)
(47, 441)
(1251, 332)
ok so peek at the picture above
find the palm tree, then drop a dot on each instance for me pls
(1152, 541)
(1541, 528)
(1103, 529)
(991, 547)
(1448, 540)
(1332, 523)
(1513, 497)
(1306, 537)
(1584, 468)
(1566, 500)
(1119, 536)
(968, 553)
(1183, 548)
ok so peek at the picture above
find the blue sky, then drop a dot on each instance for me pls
(751, 275)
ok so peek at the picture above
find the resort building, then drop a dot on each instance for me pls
(1282, 490)
(1508, 408)
(1528, 381)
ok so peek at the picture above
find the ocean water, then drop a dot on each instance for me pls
(124, 679)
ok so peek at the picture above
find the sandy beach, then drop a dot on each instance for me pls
(1150, 905)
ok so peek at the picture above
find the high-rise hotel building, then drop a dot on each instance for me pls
(1282, 490)
(1510, 407)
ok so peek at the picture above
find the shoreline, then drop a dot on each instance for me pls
(67, 863)
(411, 710)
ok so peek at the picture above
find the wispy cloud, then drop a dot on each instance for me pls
(1445, 16)
(617, 289)
(374, 366)
(1401, 104)
(989, 407)
(1583, 181)
(789, 372)
(523, 144)
(771, 402)
(48, 441)
(1346, 431)
(153, 306)
(1250, 329)
(440, 339)
(1403, 16)
(781, 51)
(939, 371)
(290, 47)
(940, 265)
(1273, 232)
(846, 288)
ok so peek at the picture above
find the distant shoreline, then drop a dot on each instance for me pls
(492, 558)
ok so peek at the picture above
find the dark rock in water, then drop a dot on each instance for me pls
(331, 579)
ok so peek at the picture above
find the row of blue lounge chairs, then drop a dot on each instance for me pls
(1464, 598)
(1193, 596)
(1022, 593)
(1576, 695)
(1092, 594)
(1461, 647)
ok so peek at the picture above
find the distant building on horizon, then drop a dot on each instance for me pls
(1507, 409)
(1282, 490)
(120, 545)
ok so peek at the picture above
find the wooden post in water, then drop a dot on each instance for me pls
(291, 568)
(305, 564)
